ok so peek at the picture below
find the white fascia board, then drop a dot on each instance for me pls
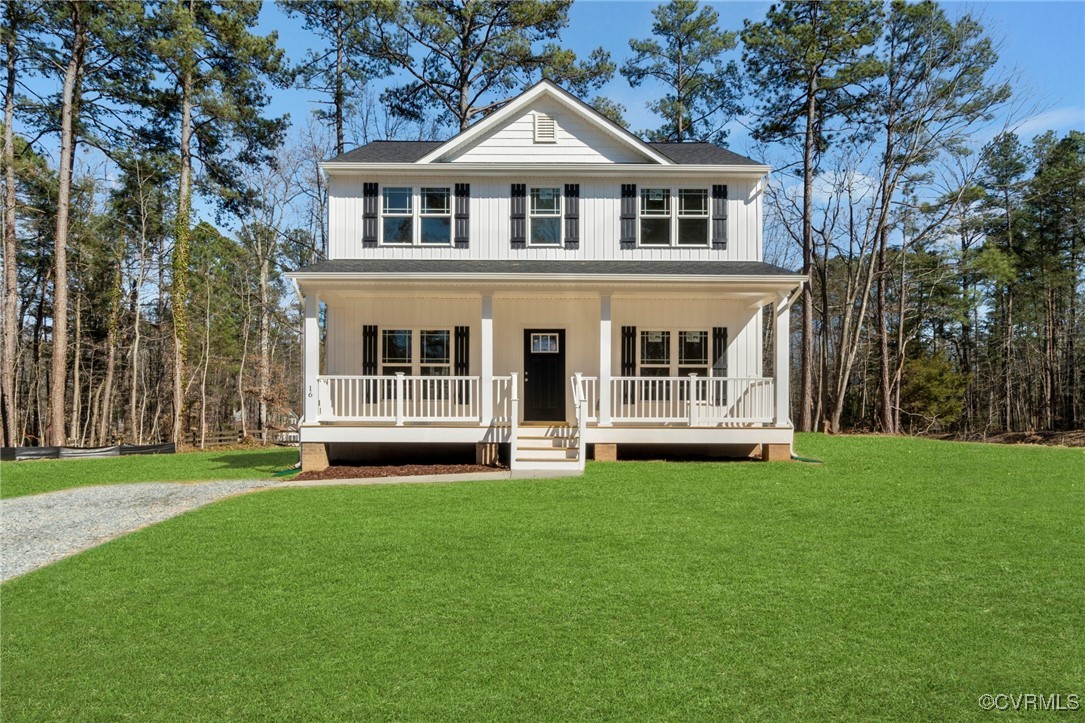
(616, 170)
(544, 87)
(346, 280)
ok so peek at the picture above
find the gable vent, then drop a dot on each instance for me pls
(546, 128)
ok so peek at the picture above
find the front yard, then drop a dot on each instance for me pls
(902, 579)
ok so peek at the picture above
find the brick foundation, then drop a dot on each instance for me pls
(775, 452)
(314, 456)
(606, 453)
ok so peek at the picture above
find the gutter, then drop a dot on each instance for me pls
(512, 278)
(555, 169)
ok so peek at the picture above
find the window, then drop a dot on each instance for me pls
(434, 352)
(655, 217)
(544, 344)
(655, 353)
(544, 219)
(692, 216)
(398, 221)
(412, 216)
(693, 353)
(431, 358)
(674, 216)
(436, 215)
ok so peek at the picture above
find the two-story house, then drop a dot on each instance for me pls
(545, 286)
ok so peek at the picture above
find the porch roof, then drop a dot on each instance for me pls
(448, 270)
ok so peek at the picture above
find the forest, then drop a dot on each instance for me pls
(152, 201)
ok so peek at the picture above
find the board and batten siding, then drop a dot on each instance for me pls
(577, 315)
(490, 206)
(577, 141)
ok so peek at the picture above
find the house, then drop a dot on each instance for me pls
(545, 286)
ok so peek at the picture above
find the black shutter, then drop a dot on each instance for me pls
(629, 351)
(462, 215)
(369, 350)
(518, 216)
(719, 351)
(462, 360)
(572, 215)
(627, 238)
(369, 215)
(719, 217)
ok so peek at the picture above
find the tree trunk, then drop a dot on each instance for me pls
(265, 337)
(206, 359)
(806, 384)
(77, 366)
(69, 98)
(179, 291)
(11, 277)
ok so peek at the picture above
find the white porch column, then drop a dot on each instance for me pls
(311, 357)
(781, 332)
(605, 338)
(486, 369)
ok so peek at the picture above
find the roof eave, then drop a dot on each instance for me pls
(470, 277)
(505, 169)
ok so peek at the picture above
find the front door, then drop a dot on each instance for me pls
(544, 375)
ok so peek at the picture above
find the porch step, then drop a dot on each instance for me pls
(554, 447)
(537, 453)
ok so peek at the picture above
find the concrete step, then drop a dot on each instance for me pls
(547, 441)
(547, 453)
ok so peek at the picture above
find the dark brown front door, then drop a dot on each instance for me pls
(544, 375)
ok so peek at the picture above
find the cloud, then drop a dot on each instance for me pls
(1056, 119)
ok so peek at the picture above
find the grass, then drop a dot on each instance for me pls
(31, 477)
(902, 579)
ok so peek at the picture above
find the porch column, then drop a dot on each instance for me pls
(486, 369)
(781, 332)
(311, 357)
(605, 338)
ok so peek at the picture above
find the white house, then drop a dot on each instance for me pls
(545, 286)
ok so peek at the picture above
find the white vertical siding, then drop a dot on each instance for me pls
(600, 200)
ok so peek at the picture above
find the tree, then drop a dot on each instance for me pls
(98, 39)
(805, 62)
(703, 92)
(219, 69)
(466, 59)
(343, 65)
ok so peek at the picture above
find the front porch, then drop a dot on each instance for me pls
(597, 366)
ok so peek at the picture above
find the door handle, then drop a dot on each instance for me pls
(525, 377)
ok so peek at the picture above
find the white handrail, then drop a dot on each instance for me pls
(398, 398)
(692, 400)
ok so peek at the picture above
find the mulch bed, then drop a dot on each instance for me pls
(403, 470)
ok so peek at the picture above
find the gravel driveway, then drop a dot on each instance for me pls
(38, 529)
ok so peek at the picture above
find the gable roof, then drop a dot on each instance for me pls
(563, 97)
(410, 151)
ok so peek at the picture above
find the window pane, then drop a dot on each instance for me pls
(693, 347)
(545, 230)
(436, 230)
(433, 371)
(655, 347)
(545, 201)
(692, 231)
(434, 349)
(692, 202)
(655, 201)
(397, 200)
(655, 232)
(397, 229)
(436, 200)
(397, 347)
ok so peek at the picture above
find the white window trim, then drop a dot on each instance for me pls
(674, 348)
(560, 187)
(416, 216)
(673, 216)
(416, 362)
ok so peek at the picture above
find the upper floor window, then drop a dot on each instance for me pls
(416, 215)
(544, 217)
(673, 217)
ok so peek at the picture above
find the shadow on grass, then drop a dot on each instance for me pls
(268, 459)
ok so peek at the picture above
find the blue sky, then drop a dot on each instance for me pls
(1042, 44)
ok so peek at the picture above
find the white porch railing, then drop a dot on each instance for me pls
(695, 401)
(398, 399)
(502, 400)
(590, 387)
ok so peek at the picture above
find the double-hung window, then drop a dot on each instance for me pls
(544, 217)
(416, 216)
(673, 217)
(418, 353)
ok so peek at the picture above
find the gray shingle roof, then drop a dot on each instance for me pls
(439, 267)
(411, 151)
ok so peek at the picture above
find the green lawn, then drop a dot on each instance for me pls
(902, 579)
(31, 477)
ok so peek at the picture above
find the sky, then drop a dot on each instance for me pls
(1042, 46)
